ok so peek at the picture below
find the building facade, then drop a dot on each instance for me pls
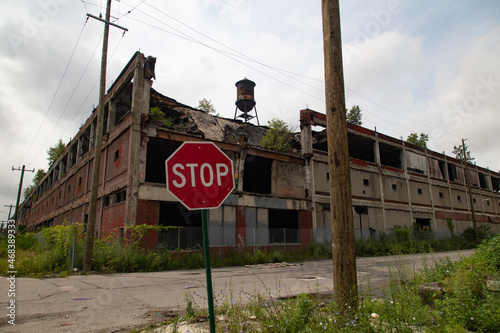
(278, 199)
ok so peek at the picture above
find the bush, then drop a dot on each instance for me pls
(278, 136)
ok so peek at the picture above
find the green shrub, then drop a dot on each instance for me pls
(278, 136)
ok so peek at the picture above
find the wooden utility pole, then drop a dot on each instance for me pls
(23, 169)
(343, 247)
(471, 200)
(89, 239)
(10, 211)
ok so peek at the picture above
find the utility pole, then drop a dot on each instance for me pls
(10, 210)
(89, 239)
(345, 286)
(471, 201)
(23, 169)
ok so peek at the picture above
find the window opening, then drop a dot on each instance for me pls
(390, 155)
(157, 152)
(283, 226)
(423, 224)
(257, 174)
(189, 236)
(361, 147)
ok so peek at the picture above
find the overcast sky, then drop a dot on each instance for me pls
(411, 65)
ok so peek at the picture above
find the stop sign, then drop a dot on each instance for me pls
(199, 175)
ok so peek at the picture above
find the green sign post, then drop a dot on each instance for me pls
(201, 177)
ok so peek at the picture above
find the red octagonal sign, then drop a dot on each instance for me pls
(199, 175)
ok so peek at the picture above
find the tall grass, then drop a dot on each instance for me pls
(467, 305)
(59, 250)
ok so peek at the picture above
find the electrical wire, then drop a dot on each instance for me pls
(55, 94)
(224, 53)
(90, 92)
(69, 99)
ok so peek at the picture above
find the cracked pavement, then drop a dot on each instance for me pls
(122, 302)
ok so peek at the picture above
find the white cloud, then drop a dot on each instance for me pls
(403, 67)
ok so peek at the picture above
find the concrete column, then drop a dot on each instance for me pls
(434, 223)
(140, 105)
(111, 115)
(380, 179)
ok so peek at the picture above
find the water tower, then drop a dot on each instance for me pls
(245, 100)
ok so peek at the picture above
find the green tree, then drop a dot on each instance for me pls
(38, 176)
(278, 136)
(206, 105)
(420, 141)
(36, 179)
(459, 153)
(55, 151)
(353, 116)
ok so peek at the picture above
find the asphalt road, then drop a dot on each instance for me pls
(119, 302)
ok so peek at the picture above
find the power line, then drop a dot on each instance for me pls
(90, 92)
(224, 53)
(55, 94)
(68, 101)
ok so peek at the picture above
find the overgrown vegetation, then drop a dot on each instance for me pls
(207, 106)
(160, 116)
(36, 179)
(417, 140)
(55, 151)
(467, 304)
(354, 115)
(59, 251)
(407, 241)
(278, 136)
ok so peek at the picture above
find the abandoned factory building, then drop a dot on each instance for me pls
(279, 198)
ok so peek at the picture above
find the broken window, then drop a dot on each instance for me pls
(283, 226)
(436, 168)
(188, 236)
(495, 182)
(85, 141)
(123, 104)
(49, 179)
(63, 165)
(361, 147)
(452, 172)
(473, 179)
(423, 224)
(120, 196)
(158, 151)
(483, 181)
(441, 168)
(390, 155)
(72, 155)
(257, 174)
(105, 120)
(93, 131)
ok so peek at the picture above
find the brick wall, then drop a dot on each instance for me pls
(147, 213)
